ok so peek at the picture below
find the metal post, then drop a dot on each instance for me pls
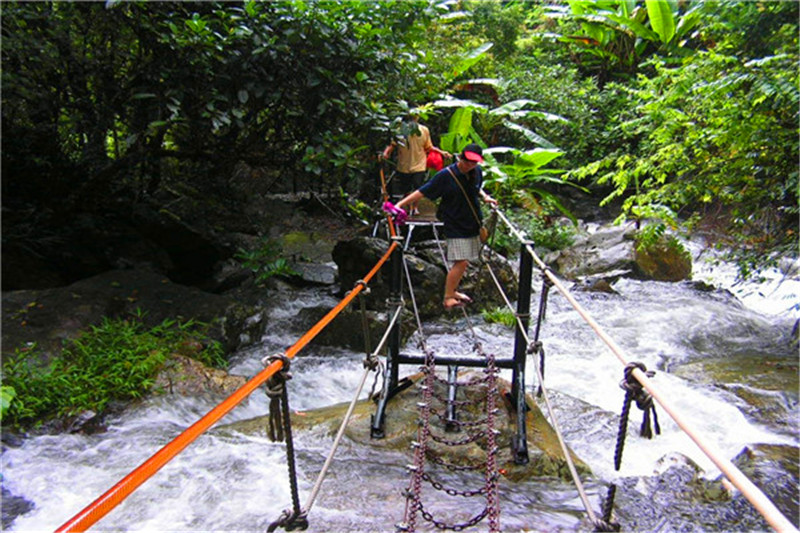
(395, 294)
(391, 373)
(520, 443)
(451, 421)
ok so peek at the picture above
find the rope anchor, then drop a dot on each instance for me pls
(280, 425)
(634, 392)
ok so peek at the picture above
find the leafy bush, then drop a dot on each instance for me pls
(115, 360)
(543, 230)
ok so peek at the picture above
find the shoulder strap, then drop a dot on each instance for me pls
(466, 196)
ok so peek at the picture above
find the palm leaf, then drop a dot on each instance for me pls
(661, 19)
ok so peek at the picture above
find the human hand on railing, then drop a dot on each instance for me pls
(400, 215)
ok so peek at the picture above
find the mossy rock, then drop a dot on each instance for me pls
(401, 429)
(665, 260)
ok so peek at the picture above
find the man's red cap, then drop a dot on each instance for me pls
(473, 152)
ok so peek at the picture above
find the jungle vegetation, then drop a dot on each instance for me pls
(671, 111)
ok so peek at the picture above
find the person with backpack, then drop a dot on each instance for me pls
(413, 155)
(459, 187)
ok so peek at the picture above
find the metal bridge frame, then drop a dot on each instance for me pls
(394, 358)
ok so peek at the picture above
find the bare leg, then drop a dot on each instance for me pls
(452, 281)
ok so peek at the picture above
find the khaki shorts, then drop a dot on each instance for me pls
(463, 249)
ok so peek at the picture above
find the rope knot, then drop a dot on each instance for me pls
(290, 521)
(534, 347)
(276, 392)
(644, 401)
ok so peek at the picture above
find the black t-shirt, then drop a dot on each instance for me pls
(457, 216)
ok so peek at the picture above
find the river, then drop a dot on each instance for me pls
(227, 481)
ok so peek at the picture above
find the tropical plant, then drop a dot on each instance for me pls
(615, 35)
(115, 360)
(719, 136)
(265, 261)
(546, 231)
(500, 315)
(7, 395)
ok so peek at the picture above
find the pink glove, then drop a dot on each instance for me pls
(398, 213)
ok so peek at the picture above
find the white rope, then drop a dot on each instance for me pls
(554, 421)
(756, 497)
(346, 419)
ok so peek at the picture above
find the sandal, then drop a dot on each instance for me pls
(458, 302)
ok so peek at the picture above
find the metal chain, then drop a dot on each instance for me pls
(450, 466)
(466, 440)
(414, 491)
(477, 380)
(453, 527)
(453, 492)
(492, 500)
(460, 423)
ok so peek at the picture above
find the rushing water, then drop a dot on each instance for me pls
(227, 481)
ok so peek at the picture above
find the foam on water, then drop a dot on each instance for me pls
(230, 482)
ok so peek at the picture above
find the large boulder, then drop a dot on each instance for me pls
(47, 317)
(597, 250)
(427, 271)
(185, 376)
(356, 257)
(665, 260)
(402, 414)
(609, 252)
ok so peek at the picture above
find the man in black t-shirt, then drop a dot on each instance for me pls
(459, 186)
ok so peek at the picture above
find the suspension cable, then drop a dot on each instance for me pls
(554, 421)
(116, 494)
(756, 497)
(346, 419)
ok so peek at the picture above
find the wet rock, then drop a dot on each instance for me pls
(678, 498)
(347, 329)
(356, 257)
(316, 273)
(773, 468)
(427, 272)
(546, 457)
(601, 285)
(666, 260)
(599, 250)
(49, 316)
(13, 506)
(767, 384)
(186, 376)
(605, 249)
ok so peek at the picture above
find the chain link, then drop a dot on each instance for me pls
(414, 506)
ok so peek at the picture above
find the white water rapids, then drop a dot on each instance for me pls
(227, 481)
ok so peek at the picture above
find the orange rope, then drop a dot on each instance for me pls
(386, 199)
(116, 494)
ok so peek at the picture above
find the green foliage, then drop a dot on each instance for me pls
(355, 207)
(717, 135)
(521, 179)
(500, 315)
(614, 37)
(7, 395)
(265, 261)
(542, 229)
(136, 93)
(115, 360)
